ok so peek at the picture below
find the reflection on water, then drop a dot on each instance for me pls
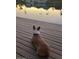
(39, 11)
(51, 15)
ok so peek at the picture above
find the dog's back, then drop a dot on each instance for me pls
(40, 44)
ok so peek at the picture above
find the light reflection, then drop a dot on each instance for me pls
(33, 10)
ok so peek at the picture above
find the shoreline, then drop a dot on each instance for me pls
(43, 17)
(39, 21)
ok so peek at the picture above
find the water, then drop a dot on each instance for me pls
(51, 15)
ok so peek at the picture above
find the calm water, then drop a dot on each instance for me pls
(51, 15)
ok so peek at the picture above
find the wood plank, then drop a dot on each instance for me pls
(22, 36)
(47, 25)
(46, 38)
(43, 35)
(42, 31)
(17, 55)
(43, 28)
(52, 33)
(27, 55)
(28, 44)
(31, 51)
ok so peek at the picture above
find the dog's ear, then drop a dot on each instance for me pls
(38, 28)
(34, 27)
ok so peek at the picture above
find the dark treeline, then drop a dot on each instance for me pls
(49, 3)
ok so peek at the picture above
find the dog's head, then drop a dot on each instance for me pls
(36, 30)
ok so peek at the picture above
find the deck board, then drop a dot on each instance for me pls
(30, 33)
(52, 33)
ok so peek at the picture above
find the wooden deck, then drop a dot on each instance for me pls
(52, 33)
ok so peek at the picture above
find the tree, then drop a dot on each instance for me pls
(55, 3)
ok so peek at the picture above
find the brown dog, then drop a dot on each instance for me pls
(41, 46)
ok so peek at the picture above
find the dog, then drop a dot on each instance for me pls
(40, 44)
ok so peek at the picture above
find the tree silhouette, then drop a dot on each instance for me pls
(49, 3)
